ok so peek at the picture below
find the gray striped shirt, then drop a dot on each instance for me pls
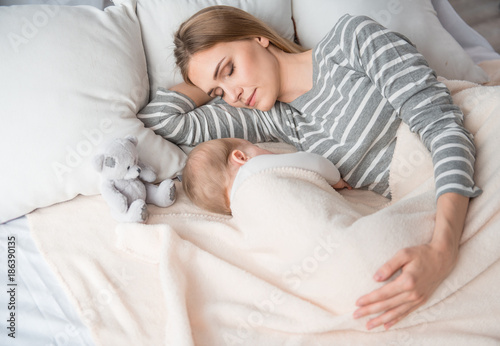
(366, 80)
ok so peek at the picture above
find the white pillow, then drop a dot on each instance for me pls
(160, 19)
(476, 46)
(415, 19)
(71, 78)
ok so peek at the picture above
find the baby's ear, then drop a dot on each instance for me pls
(238, 157)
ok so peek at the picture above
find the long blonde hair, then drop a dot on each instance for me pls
(205, 178)
(216, 24)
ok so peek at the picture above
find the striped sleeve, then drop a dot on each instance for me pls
(403, 76)
(176, 118)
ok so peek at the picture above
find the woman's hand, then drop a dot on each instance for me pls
(342, 184)
(196, 94)
(423, 268)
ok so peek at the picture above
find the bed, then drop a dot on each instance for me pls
(188, 277)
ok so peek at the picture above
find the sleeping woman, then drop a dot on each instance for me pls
(344, 100)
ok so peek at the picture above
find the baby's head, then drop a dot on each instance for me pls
(211, 168)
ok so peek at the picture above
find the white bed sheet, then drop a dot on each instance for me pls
(44, 314)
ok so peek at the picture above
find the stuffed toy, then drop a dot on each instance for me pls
(127, 182)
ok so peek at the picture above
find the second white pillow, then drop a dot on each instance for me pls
(415, 19)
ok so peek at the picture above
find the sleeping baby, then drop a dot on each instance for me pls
(216, 168)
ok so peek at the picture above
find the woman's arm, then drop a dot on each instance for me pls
(402, 75)
(423, 267)
(198, 96)
(183, 116)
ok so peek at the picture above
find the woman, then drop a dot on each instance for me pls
(344, 100)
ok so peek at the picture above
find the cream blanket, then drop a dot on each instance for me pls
(289, 266)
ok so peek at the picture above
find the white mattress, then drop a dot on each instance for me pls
(43, 313)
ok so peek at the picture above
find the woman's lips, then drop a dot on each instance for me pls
(251, 100)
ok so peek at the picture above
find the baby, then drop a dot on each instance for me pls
(216, 168)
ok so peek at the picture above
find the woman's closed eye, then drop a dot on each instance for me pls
(227, 72)
(231, 70)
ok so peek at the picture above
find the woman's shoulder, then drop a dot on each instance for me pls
(353, 24)
(349, 20)
(349, 28)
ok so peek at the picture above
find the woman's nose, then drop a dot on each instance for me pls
(233, 94)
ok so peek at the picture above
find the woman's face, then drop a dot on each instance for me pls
(244, 73)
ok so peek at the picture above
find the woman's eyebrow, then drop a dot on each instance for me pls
(216, 73)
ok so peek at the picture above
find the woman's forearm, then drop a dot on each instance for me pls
(423, 267)
(450, 220)
(196, 94)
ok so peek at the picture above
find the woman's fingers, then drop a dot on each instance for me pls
(380, 302)
(391, 317)
(392, 266)
(391, 308)
(383, 273)
(396, 299)
(381, 294)
(422, 270)
(395, 320)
